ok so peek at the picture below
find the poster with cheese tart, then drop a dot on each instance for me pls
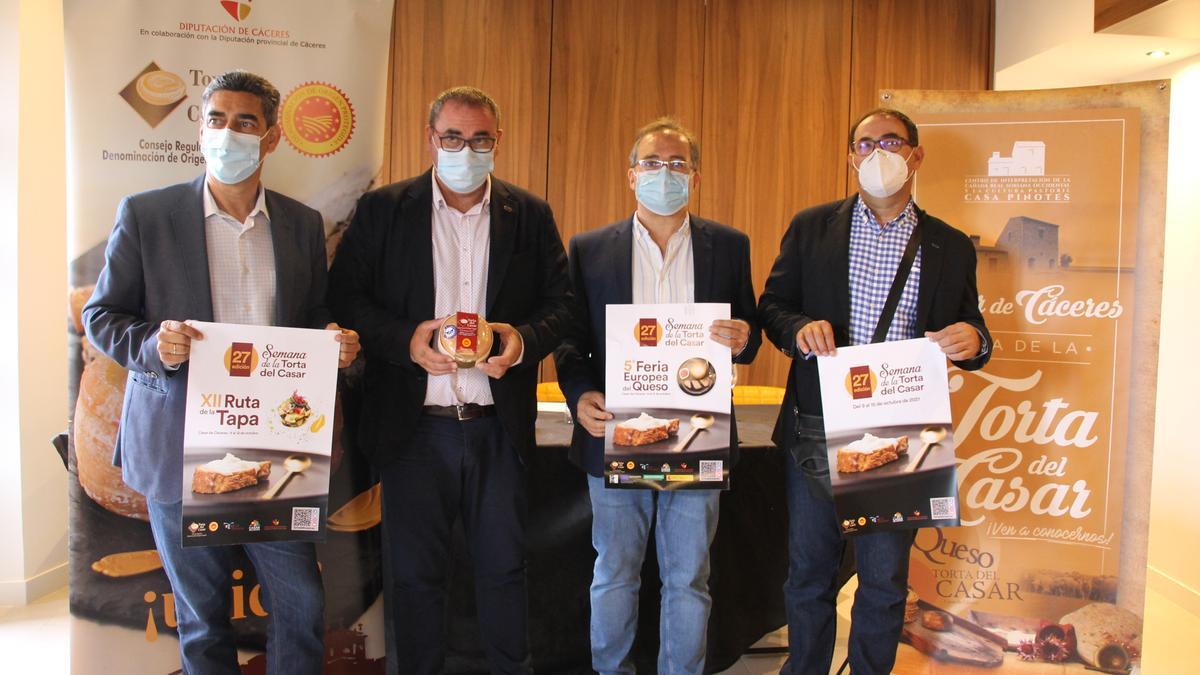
(670, 389)
(258, 434)
(1043, 435)
(889, 436)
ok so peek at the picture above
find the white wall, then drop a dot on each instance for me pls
(1019, 35)
(33, 293)
(1174, 529)
(1082, 60)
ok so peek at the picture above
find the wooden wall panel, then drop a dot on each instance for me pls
(1108, 13)
(918, 44)
(617, 65)
(775, 100)
(500, 46)
(769, 85)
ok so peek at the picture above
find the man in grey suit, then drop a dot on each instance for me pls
(218, 248)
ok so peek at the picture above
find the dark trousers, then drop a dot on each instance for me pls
(453, 469)
(810, 594)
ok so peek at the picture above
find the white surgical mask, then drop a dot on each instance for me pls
(883, 173)
(232, 157)
(464, 171)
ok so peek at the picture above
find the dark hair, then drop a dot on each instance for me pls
(666, 124)
(909, 126)
(468, 96)
(241, 80)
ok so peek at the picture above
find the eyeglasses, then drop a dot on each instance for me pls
(676, 165)
(453, 143)
(865, 146)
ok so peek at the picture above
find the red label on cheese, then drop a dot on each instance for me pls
(467, 325)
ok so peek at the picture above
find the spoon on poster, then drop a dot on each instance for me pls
(294, 465)
(931, 436)
(700, 422)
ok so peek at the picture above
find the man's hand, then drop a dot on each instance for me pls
(422, 354)
(175, 342)
(733, 333)
(959, 341)
(590, 413)
(816, 336)
(511, 346)
(349, 344)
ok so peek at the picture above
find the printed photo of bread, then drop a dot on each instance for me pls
(644, 430)
(870, 452)
(911, 608)
(228, 474)
(935, 620)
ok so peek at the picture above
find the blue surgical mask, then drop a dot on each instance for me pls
(464, 171)
(232, 157)
(664, 192)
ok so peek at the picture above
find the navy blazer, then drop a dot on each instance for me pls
(156, 268)
(381, 284)
(601, 264)
(810, 281)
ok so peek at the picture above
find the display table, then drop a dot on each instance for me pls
(749, 559)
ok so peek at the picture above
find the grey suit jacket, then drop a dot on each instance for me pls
(156, 268)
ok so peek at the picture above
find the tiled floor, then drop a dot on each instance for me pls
(33, 639)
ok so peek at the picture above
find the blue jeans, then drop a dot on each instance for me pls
(814, 549)
(201, 580)
(685, 521)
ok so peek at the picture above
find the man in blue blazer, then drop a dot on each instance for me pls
(218, 248)
(659, 254)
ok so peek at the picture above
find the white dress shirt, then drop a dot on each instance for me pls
(241, 263)
(659, 278)
(461, 246)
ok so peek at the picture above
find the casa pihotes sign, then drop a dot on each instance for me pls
(258, 433)
(669, 386)
(889, 436)
(1050, 201)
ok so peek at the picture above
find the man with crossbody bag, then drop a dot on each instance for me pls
(868, 268)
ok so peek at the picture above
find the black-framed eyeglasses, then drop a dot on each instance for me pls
(676, 165)
(865, 146)
(455, 143)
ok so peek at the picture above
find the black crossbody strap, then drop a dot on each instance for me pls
(893, 298)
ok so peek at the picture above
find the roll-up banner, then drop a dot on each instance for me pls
(1057, 191)
(135, 74)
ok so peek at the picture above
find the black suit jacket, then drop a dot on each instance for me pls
(381, 285)
(810, 281)
(601, 264)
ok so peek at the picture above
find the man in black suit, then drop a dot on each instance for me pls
(447, 440)
(827, 289)
(659, 254)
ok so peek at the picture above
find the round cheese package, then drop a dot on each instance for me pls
(466, 338)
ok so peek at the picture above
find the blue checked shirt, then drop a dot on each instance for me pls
(875, 253)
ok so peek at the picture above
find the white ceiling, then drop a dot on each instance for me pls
(1046, 44)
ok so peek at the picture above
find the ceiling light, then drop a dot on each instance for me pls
(1158, 54)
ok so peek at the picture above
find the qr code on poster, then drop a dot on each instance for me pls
(712, 469)
(942, 508)
(306, 518)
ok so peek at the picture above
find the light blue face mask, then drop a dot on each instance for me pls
(464, 171)
(664, 192)
(232, 157)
